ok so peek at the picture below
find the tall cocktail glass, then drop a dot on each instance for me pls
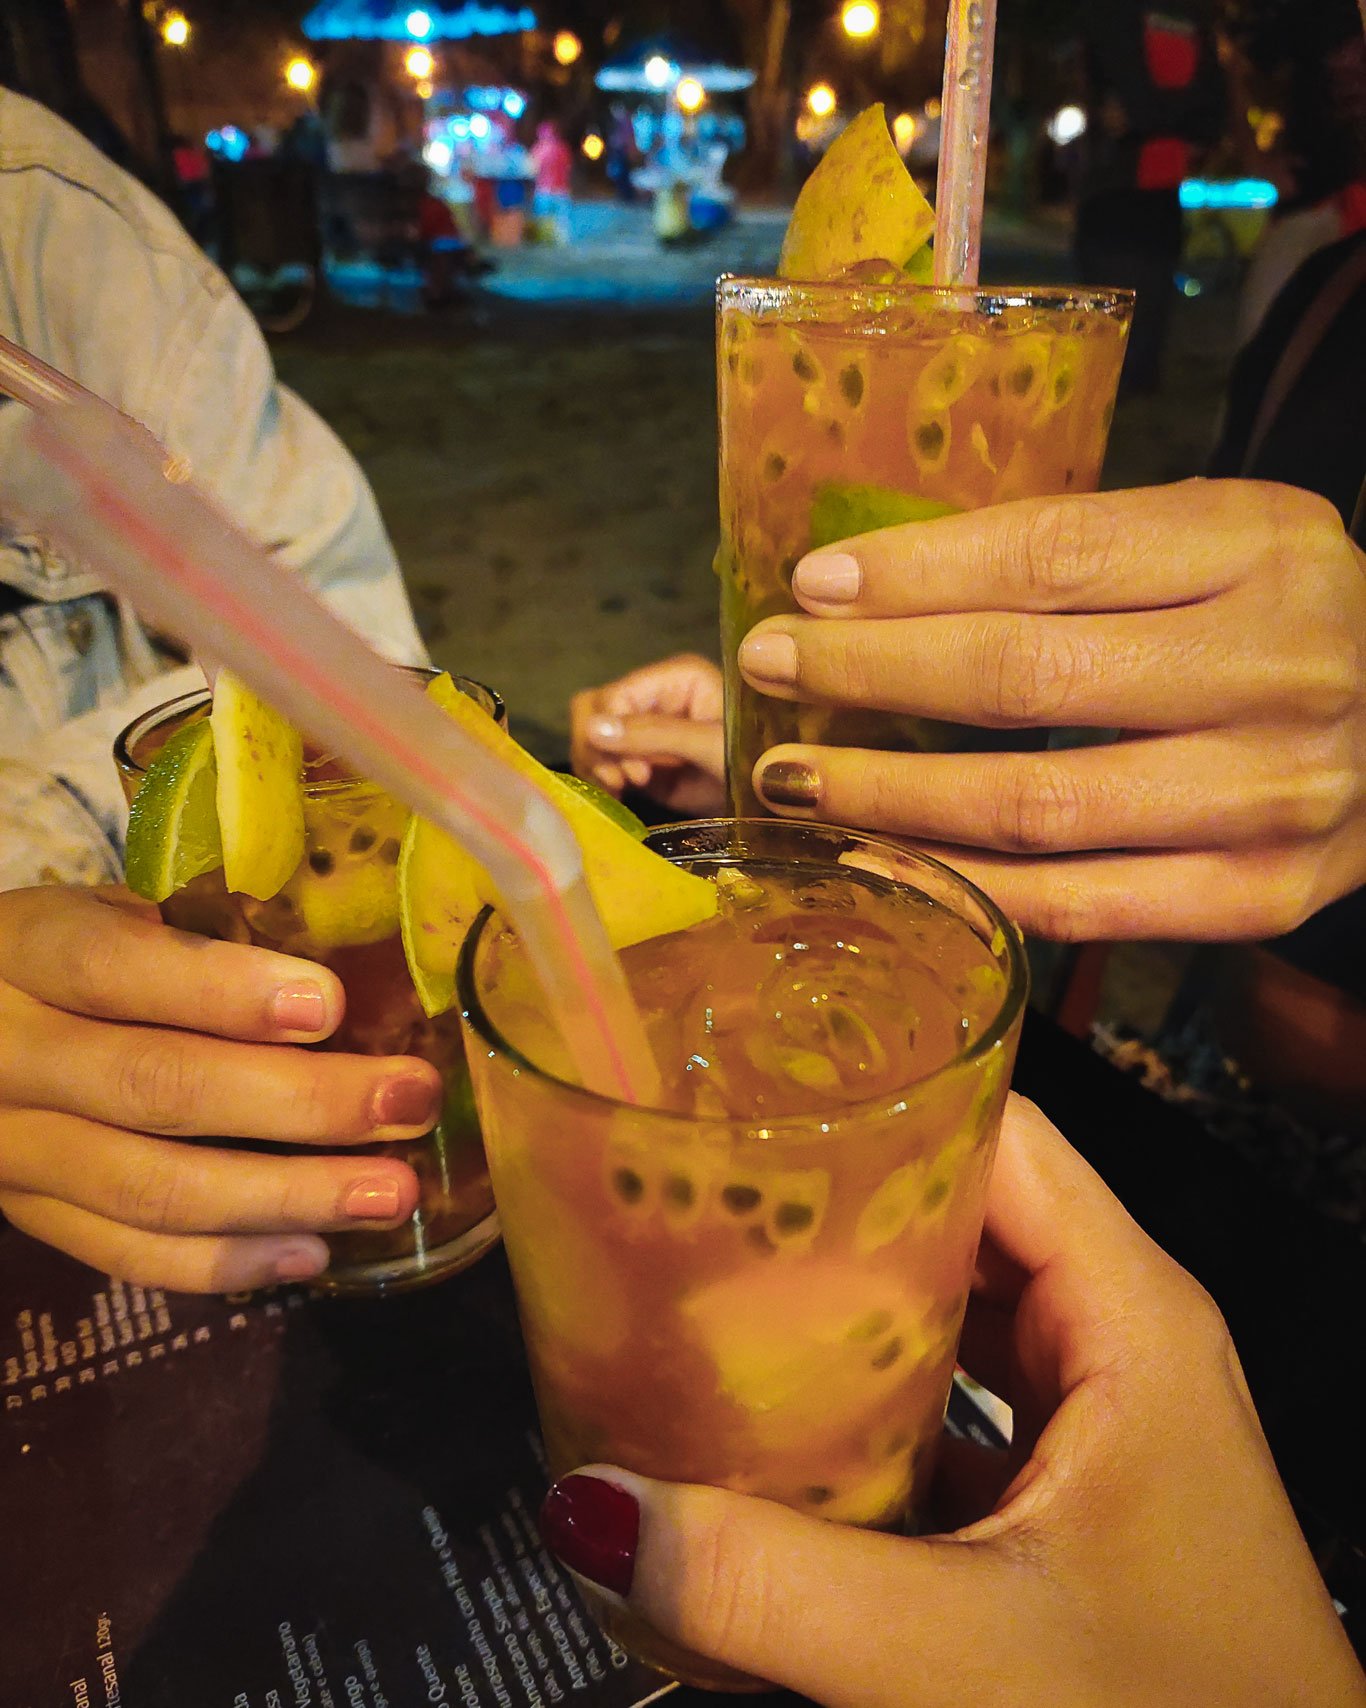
(761, 1285)
(340, 908)
(845, 407)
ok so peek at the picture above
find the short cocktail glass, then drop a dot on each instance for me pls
(760, 1286)
(845, 407)
(340, 908)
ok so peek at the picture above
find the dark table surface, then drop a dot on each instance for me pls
(238, 1480)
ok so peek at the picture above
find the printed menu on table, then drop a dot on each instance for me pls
(279, 1501)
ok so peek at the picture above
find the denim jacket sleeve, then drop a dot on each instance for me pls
(100, 280)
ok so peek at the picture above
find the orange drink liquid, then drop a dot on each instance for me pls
(849, 407)
(759, 1285)
(340, 909)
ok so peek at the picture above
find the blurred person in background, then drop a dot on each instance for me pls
(1154, 98)
(552, 163)
(1307, 64)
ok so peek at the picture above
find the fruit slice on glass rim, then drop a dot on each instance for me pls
(860, 206)
(173, 821)
(441, 887)
(260, 789)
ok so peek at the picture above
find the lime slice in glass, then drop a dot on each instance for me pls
(173, 822)
(608, 805)
(840, 510)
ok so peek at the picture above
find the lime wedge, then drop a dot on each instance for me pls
(437, 902)
(841, 510)
(441, 887)
(860, 204)
(606, 804)
(173, 822)
(260, 790)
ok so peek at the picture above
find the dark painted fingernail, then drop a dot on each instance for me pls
(594, 1527)
(789, 783)
(405, 1102)
(299, 1008)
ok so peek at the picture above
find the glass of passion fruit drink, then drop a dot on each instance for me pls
(339, 906)
(854, 396)
(760, 1283)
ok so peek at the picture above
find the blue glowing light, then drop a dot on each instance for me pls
(1221, 195)
(514, 105)
(418, 25)
(230, 142)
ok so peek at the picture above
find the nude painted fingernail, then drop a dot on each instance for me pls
(372, 1200)
(299, 1008)
(404, 1102)
(832, 578)
(789, 783)
(300, 1262)
(770, 658)
(605, 729)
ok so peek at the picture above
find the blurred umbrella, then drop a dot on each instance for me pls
(662, 62)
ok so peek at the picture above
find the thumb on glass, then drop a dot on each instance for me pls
(842, 1615)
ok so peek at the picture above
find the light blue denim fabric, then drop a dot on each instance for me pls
(100, 280)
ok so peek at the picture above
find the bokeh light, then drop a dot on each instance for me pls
(821, 100)
(418, 62)
(175, 29)
(301, 74)
(566, 47)
(690, 95)
(860, 19)
(593, 146)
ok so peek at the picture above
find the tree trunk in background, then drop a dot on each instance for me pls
(763, 27)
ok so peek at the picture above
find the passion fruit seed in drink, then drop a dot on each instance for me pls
(173, 822)
(859, 206)
(441, 887)
(260, 789)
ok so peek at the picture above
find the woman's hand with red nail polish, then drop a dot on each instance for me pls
(120, 1037)
(1218, 624)
(658, 730)
(1134, 1549)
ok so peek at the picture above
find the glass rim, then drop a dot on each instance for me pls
(788, 1127)
(179, 704)
(730, 287)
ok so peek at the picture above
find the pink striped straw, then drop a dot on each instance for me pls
(116, 502)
